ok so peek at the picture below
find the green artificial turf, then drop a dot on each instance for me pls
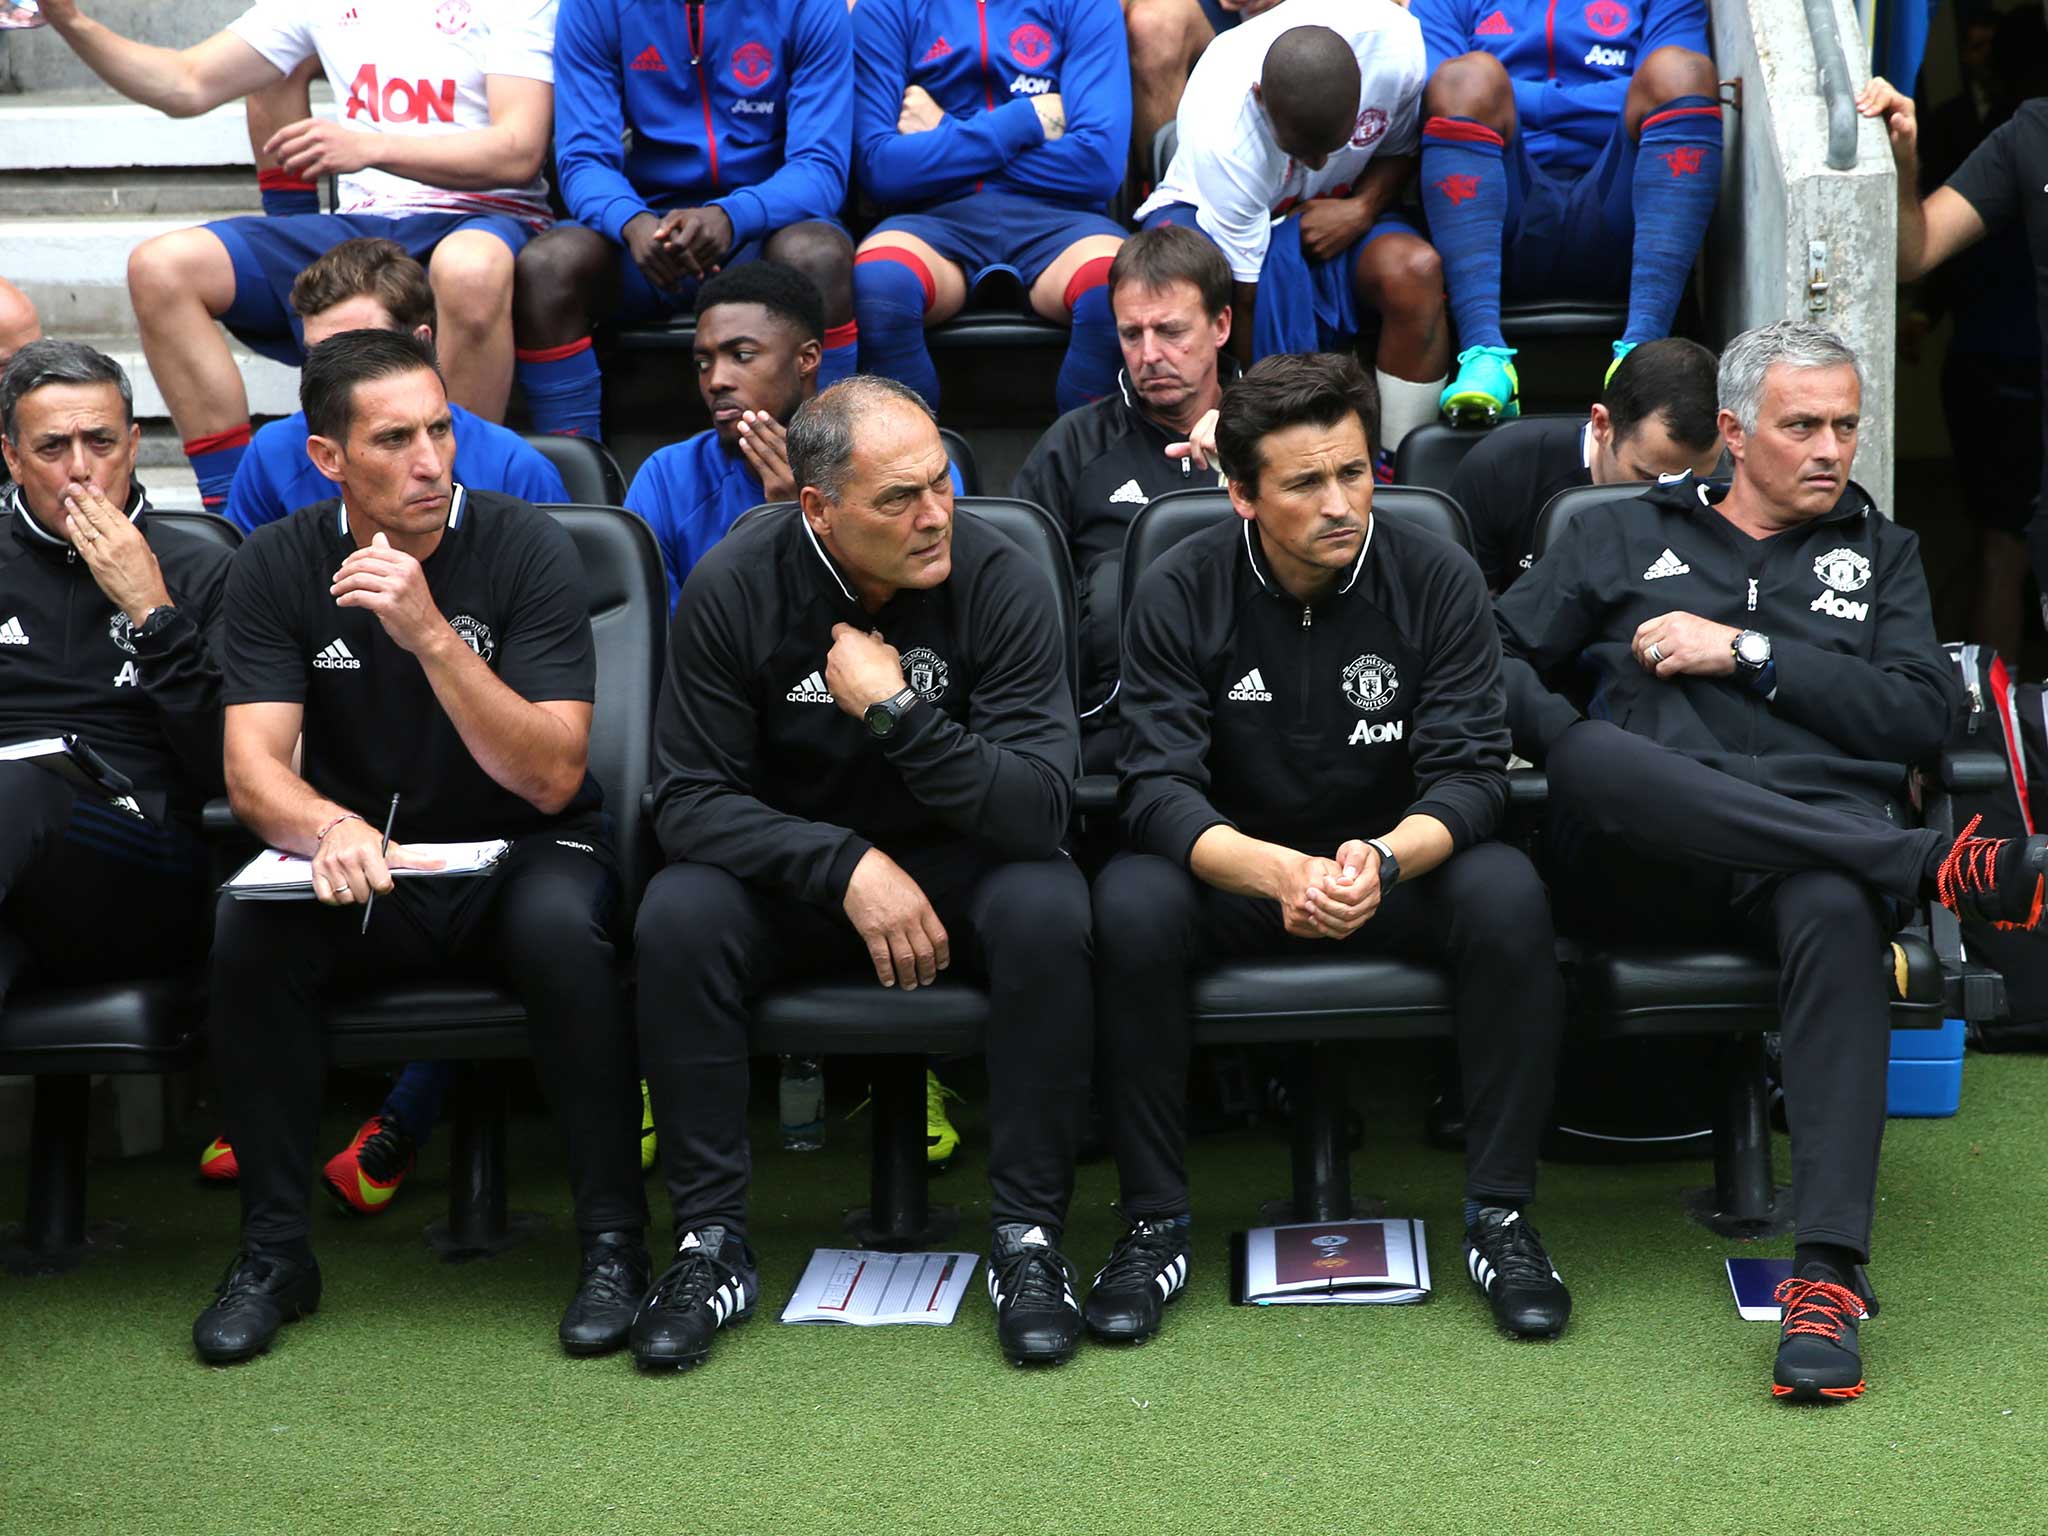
(427, 1397)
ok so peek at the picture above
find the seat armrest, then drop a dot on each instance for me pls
(217, 819)
(1095, 794)
(1973, 772)
(1528, 789)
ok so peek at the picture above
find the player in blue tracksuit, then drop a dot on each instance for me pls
(372, 285)
(759, 335)
(1568, 149)
(740, 117)
(995, 132)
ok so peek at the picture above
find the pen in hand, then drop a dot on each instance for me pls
(383, 849)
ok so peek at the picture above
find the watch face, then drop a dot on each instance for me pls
(1753, 649)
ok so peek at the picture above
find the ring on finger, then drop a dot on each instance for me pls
(1656, 654)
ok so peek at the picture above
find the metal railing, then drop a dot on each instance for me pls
(1835, 87)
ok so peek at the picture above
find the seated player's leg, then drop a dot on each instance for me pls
(550, 935)
(706, 944)
(180, 284)
(471, 272)
(1484, 912)
(1468, 110)
(824, 253)
(568, 280)
(1074, 290)
(1148, 909)
(1166, 38)
(1673, 113)
(902, 286)
(364, 1175)
(1830, 930)
(274, 107)
(1399, 274)
(1032, 930)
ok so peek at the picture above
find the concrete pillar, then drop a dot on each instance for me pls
(1780, 202)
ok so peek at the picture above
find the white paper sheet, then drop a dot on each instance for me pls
(869, 1289)
(274, 875)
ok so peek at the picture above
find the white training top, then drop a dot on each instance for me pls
(413, 66)
(1226, 162)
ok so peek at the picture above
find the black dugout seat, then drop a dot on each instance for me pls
(1718, 989)
(897, 1030)
(1430, 455)
(1318, 1005)
(448, 1018)
(62, 1036)
(589, 473)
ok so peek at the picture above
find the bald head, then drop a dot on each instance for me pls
(1310, 86)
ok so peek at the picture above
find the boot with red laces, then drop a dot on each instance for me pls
(1997, 880)
(1817, 1357)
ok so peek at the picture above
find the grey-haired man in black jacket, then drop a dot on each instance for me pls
(1763, 670)
(1314, 752)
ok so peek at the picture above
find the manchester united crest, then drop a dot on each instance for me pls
(926, 674)
(1843, 569)
(1371, 683)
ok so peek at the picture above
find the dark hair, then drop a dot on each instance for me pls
(1673, 378)
(820, 441)
(1173, 253)
(46, 362)
(783, 291)
(332, 370)
(373, 269)
(1291, 389)
(1310, 85)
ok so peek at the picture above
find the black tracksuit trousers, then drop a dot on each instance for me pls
(709, 943)
(1649, 846)
(538, 923)
(89, 893)
(1483, 913)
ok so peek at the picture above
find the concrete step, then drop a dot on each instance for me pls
(97, 130)
(172, 488)
(192, 195)
(75, 271)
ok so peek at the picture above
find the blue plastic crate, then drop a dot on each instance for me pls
(1943, 1044)
(1923, 1088)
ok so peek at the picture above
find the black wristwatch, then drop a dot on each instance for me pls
(154, 622)
(1390, 867)
(883, 718)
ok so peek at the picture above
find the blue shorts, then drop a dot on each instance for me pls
(996, 230)
(1570, 234)
(1289, 273)
(640, 301)
(269, 254)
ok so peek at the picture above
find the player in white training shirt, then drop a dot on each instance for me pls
(1298, 129)
(443, 112)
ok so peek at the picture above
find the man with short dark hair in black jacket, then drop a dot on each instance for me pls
(1654, 418)
(1314, 752)
(865, 750)
(1099, 465)
(1763, 670)
(105, 621)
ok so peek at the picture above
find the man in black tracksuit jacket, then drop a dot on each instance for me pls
(1098, 466)
(1314, 750)
(105, 623)
(1763, 668)
(865, 751)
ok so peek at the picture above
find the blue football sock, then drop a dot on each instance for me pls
(284, 194)
(1093, 356)
(1676, 184)
(1465, 194)
(214, 459)
(564, 390)
(841, 359)
(415, 1099)
(891, 291)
